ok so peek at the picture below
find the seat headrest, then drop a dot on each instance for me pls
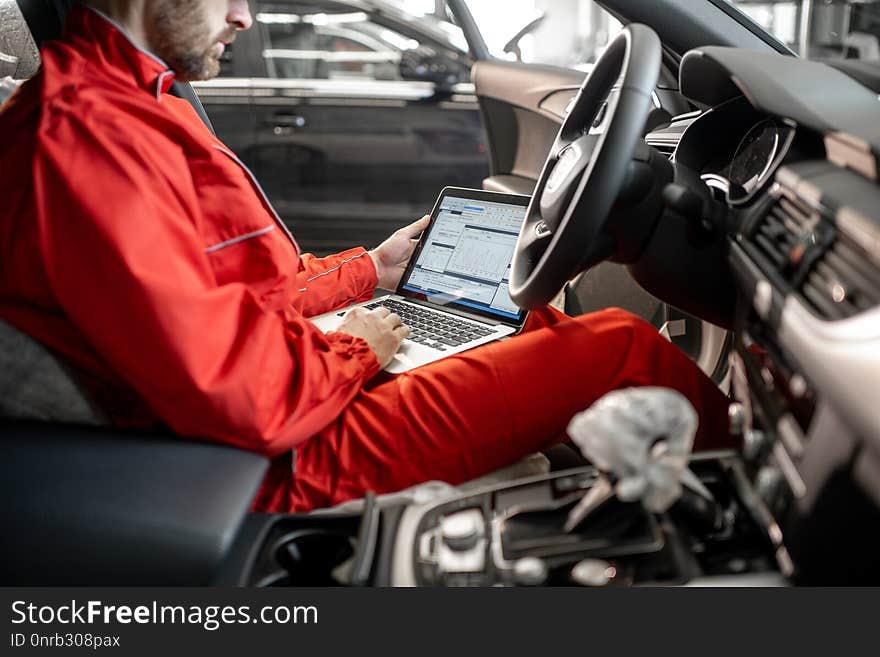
(19, 56)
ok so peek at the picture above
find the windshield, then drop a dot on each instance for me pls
(820, 29)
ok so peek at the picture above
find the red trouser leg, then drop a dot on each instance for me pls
(470, 414)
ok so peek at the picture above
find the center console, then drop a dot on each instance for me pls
(739, 526)
(512, 535)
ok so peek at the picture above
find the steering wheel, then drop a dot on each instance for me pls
(567, 228)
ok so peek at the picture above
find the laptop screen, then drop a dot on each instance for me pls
(465, 257)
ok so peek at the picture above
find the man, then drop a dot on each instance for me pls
(139, 248)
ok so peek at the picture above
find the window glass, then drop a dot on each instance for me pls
(820, 28)
(436, 15)
(342, 45)
(570, 33)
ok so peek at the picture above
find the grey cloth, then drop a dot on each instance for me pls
(34, 385)
(20, 57)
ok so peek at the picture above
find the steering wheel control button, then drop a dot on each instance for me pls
(568, 159)
(542, 230)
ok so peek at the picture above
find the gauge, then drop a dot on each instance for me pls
(756, 157)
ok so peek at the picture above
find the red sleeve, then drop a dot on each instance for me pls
(336, 281)
(117, 215)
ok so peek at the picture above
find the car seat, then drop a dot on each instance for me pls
(96, 504)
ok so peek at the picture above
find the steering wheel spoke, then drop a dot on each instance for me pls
(564, 177)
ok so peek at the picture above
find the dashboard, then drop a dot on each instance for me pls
(792, 180)
(737, 150)
(762, 148)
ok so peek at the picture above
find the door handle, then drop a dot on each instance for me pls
(284, 123)
(284, 120)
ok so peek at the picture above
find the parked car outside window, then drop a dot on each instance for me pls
(352, 115)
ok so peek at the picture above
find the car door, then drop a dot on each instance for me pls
(523, 104)
(345, 147)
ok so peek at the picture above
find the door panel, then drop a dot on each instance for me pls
(521, 111)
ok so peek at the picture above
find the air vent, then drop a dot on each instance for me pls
(843, 282)
(785, 235)
(835, 276)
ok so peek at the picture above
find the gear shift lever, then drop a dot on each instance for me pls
(640, 440)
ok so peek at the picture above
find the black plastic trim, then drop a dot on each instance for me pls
(468, 26)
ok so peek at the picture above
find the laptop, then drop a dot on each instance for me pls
(453, 295)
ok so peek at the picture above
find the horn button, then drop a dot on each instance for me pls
(569, 167)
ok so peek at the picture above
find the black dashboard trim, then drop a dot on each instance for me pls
(814, 95)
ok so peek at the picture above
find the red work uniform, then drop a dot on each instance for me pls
(141, 250)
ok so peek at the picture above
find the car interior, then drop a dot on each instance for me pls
(701, 175)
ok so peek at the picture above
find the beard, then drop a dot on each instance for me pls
(178, 32)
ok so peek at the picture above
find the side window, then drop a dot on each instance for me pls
(569, 33)
(300, 43)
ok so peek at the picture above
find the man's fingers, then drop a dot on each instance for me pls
(416, 227)
(401, 332)
(394, 320)
(381, 311)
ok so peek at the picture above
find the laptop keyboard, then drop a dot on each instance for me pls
(431, 328)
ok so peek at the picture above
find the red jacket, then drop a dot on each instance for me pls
(135, 244)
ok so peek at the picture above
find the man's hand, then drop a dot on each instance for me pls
(392, 255)
(382, 329)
